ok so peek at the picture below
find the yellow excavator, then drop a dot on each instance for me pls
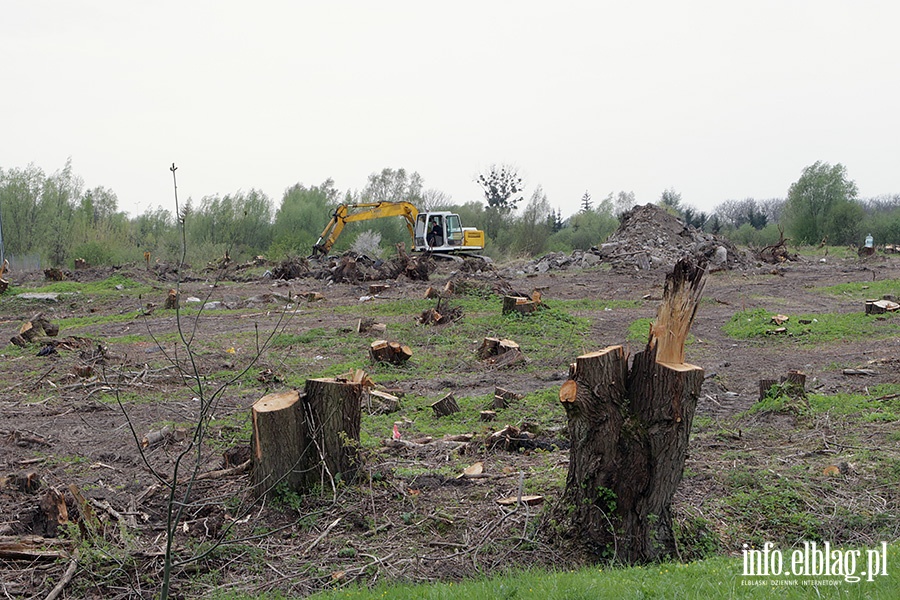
(433, 231)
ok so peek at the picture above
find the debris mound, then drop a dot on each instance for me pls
(649, 237)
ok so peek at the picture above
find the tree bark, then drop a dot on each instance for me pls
(629, 430)
(332, 422)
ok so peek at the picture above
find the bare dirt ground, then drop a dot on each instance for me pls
(407, 519)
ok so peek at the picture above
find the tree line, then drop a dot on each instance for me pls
(54, 217)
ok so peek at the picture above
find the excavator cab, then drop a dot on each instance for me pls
(442, 231)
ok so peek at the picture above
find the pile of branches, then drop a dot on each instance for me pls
(777, 253)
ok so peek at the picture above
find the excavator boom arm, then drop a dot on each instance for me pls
(348, 213)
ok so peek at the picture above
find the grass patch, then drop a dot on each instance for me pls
(111, 286)
(864, 291)
(816, 328)
(718, 577)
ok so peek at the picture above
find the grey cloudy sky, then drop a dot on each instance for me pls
(719, 100)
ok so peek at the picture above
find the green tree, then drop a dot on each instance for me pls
(586, 203)
(303, 213)
(239, 224)
(671, 200)
(818, 201)
(531, 230)
(59, 194)
(502, 188)
(20, 195)
(586, 228)
(624, 202)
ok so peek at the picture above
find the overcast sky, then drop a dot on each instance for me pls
(718, 100)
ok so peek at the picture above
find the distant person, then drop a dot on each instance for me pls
(435, 235)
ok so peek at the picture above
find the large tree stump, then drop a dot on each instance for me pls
(307, 440)
(277, 443)
(629, 431)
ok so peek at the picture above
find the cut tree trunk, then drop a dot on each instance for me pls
(308, 440)
(445, 406)
(277, 443)
(629, 430)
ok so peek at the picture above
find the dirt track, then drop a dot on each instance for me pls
(421, 526)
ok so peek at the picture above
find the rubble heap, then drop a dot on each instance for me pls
(649, 237)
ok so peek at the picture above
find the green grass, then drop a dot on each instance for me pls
(864, 290)
(98, 289)
(718, 577)
(822, 327)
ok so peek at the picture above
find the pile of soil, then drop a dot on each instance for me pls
(649, 237)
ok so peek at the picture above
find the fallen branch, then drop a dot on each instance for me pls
(66, 578)
(321, 536)
(241, 468)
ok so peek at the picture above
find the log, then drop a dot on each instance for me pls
(879, 307)
(445, 406)
(629, 430)
(276, 443)
(156, 437)
(377, 288)
(380, 351)
(506, 394)
(487, 415)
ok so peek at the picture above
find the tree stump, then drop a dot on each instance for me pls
(308, 440)
(445, 406)
(172, 299)
(764, 386)
(277, 443)
(629, 430)
(390, 352)
(518, 304)
(492, 346)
